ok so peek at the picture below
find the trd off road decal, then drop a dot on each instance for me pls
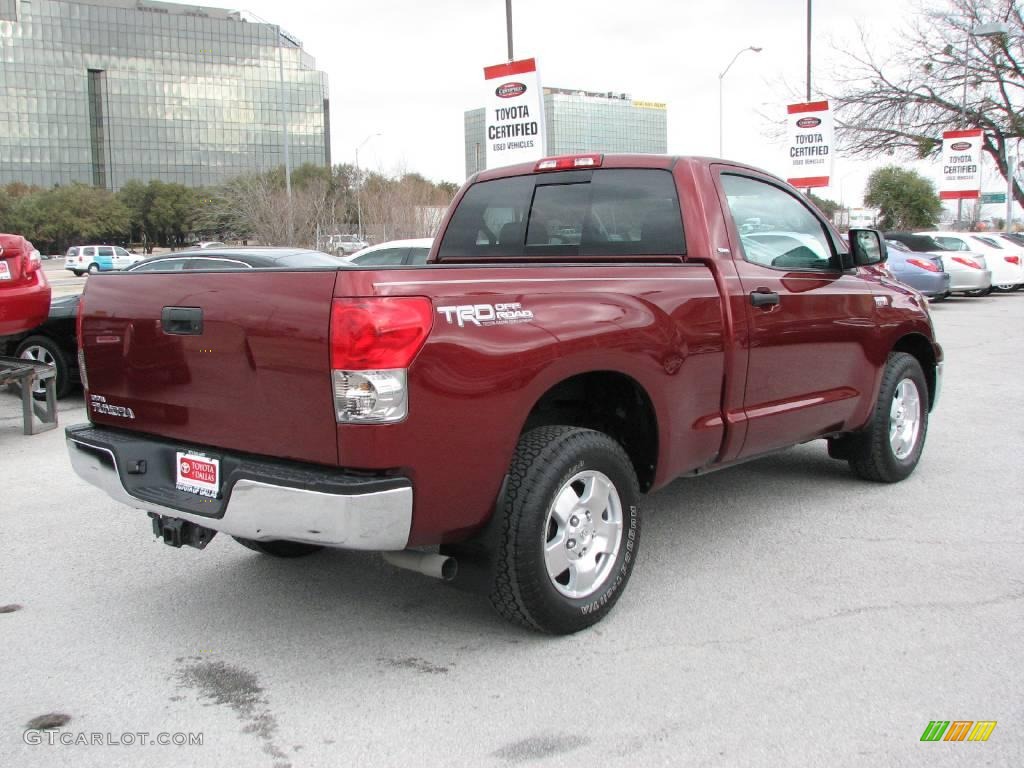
(486, 314)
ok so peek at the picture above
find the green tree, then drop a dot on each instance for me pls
(905, 198)
(160, 213)
(55, 218)
(826, 206)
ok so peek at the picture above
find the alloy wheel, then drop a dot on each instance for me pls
(904, 419)
(583, 533)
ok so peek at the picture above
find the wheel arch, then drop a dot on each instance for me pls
(921, 348)
(606, 401)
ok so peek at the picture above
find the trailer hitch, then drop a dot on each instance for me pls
(176, 533)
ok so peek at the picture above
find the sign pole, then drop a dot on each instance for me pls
(508, 27)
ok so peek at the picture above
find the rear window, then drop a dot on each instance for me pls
(606, 212)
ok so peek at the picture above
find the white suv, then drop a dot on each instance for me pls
(98, 258)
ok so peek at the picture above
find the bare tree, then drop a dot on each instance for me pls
(943, 77)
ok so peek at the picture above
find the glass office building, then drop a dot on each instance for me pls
(583, 121)
(105, 91)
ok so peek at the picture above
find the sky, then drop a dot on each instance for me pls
(408, 69)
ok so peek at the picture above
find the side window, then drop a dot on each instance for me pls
(72, 252)
(89, 251)
(776, 229)
(106, 250)
(215, 264)
(418, 255)
(951, 243)
(490, 220)
(162, 265)
(383, 257)
(121, 252)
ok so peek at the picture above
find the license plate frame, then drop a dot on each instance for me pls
(197, 473)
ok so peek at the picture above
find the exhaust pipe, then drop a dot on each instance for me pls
(428, 563)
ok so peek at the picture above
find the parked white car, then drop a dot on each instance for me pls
(98, 258)
(406, 252)
(1004, 258)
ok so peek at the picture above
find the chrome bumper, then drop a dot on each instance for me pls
(261, 511)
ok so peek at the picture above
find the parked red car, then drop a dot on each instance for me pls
(24, 290)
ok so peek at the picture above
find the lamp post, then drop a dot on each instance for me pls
(991, 29)
(721, 77)
(359, 185)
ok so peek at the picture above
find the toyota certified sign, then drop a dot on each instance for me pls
(515, 114)
(810, 146)
(961, 165)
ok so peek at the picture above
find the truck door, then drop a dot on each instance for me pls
(811, 322)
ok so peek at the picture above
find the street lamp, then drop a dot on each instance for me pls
(991, 29)
(359, 184)
(722, 77)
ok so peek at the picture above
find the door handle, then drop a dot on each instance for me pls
(182, 321)
(762, 297)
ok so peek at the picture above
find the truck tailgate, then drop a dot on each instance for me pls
(252, 375)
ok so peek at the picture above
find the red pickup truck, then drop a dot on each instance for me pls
(586, 330)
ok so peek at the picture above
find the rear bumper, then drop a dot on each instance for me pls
(262, 499)
(970, 279)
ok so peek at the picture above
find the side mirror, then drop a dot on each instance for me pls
(867, 247)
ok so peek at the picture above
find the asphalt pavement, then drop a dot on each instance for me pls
(782, 613)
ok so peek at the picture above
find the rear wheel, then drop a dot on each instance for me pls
(43, 349)
(77, 272)
(983, 292)
(570, 529)
(279, 547)
(890, 448)
(1005, 287)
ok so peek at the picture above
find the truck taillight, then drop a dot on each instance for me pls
(81, 342)
(930, 266)
(373, 341)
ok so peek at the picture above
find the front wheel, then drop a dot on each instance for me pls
(889, 449)
(94, 268)
(1005, 287)
(570, 530)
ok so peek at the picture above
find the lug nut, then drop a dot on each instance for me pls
(570, 544)
(574, 521)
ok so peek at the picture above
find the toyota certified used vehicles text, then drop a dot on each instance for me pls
(587, 329)
(24, 290)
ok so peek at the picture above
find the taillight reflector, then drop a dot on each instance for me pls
(923, 264)
(967, 262)
(568, 162)
(1012, 259)
(378, 333)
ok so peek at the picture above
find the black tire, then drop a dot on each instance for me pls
(63, 384)
(1009, 288)
(982, 292)
(937, 299)
(545, 461)
(279, 548)
(77, 272)
(93, 268)
(871, 453)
